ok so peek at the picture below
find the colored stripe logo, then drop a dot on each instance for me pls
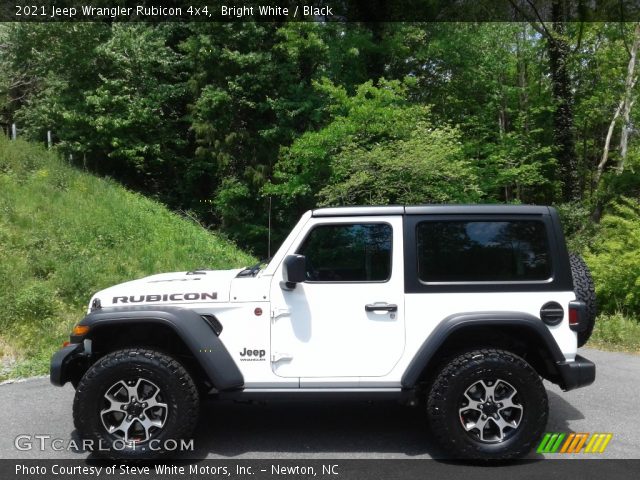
(574, 443)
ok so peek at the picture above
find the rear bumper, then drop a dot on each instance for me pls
(579, 373)
(61, 362)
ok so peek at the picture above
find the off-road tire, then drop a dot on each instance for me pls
(585, 291)
(447, 393)
(179, 393)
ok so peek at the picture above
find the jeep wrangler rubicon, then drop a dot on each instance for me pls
(459, 309)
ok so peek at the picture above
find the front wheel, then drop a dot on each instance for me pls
(135, 403)
(487, 404)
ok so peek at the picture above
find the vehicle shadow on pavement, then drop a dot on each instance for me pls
(560, 413)
(341, 429)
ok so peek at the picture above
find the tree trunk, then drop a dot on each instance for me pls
(563, 116)
(597, 212)
(624, 108)
(607, 143)
(523, 97)
(628, 99)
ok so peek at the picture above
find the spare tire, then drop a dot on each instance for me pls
(585, 291)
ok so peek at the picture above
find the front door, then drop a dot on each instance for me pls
(347, 318)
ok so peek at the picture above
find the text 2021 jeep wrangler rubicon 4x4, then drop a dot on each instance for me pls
(461, 309)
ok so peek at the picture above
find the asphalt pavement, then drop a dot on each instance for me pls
(330, 430)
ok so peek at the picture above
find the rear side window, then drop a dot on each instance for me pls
(348, 253)
(482, 251)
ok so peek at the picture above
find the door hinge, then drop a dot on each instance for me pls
(277, 357)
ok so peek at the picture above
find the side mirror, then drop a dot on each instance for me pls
(294, 271)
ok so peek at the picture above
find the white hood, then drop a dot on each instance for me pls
(176, 288)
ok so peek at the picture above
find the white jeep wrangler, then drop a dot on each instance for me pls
(461, 309)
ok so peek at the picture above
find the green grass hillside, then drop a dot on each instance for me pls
(65, 234)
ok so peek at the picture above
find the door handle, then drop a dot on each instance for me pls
(381, 306)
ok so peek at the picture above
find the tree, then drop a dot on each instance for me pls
(624, 108)
(378, 148)
(136, 111)
(559, 52)
(253, 92)
(50, 66)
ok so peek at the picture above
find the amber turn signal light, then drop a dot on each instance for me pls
(80, 330)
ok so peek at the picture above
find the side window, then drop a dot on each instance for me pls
(468, 251)
(348, 253)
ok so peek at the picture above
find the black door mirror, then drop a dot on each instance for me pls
(294, 270)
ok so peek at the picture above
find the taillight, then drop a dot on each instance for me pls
(574, 316)
(577, 315)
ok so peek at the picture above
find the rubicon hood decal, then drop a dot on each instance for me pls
(211, 286)
(166, 297)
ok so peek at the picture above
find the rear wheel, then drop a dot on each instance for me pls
(487, 404)
(135, 403)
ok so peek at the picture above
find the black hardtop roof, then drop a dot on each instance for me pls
(488, 209)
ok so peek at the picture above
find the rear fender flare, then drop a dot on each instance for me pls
(457, 322)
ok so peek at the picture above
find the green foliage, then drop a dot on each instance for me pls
(252, 93)
(238, 123)
(238, 203)
(51, 67)
(135, 110)
(34, 301)
(184, 112)
(616, 332)
(65, 234)
(377, 149)
(614, 259)
(426, 167)
(578, 228)
(518, 167)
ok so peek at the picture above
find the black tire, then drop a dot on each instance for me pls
(585, 291)
(146, 369)
(446, 404)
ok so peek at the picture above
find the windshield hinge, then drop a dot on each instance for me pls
(279, 312)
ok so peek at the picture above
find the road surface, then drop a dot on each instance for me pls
(353, 430)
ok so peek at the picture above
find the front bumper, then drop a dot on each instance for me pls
(579, 373)
(61, 363)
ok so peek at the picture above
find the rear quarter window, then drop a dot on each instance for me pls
(482, 251)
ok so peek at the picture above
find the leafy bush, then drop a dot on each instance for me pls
(616, 331)
(614, 259)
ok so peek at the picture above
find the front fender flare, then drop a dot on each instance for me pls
(200, 339)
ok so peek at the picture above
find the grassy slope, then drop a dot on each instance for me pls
(65, 234)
